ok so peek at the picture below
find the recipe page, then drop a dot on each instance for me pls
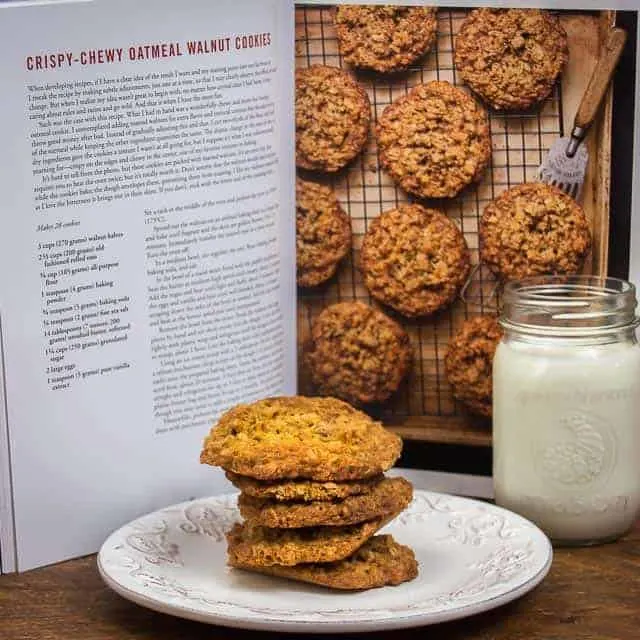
(147, 248)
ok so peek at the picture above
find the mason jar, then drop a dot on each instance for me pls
(566, 406)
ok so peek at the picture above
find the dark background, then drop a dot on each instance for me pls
(624, 88)
(477, 460)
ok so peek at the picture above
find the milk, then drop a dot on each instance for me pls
(566, 429)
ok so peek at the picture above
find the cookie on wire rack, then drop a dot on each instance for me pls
(323, 233)
(414, 259)
(534, 229)
(469, 363)
(333, 114)
(434, 141)
(357, 353)
(384, 38)
(511, 58)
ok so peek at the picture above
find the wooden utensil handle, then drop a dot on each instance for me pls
(600, 78)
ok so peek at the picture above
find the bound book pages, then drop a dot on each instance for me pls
(147, 277)
(182, 232)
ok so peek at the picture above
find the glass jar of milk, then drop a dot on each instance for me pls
(566, 406)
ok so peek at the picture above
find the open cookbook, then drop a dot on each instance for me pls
(154, 268)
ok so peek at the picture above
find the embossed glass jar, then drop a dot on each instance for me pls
(566, 406)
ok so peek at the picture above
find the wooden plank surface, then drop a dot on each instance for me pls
(444, 429)
(590, 594)
(585, 36)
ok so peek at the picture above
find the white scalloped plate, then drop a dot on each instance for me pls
(472, 556)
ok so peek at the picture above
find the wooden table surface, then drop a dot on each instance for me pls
(590, 594)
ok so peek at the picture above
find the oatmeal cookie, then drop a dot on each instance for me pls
(321, 439)
(302, 490)
(357, 353)
(511, 57)
(469, 361)
(378, 562)
(323, 233)
(332, 118)
(414, 259)
(390, 496)
(261, 546)
(384, 38)
(434, 141)
(534, 229)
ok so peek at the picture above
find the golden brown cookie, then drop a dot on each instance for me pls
(297, 437)
(261, 546)
(384, 38)
(511, 57)
(380, 561)
(391, 495)
(332, 118)
(302, 490)
(414, 259)
(357, 353)
(323, 233)
(534, 229)
(469, 362)
(434, 141)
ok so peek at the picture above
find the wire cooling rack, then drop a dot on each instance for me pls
(519, 142)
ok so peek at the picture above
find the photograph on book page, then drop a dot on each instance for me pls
(444, 150)
(146, 254)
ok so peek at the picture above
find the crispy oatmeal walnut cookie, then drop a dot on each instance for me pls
(357, 353)
(534, 229)
(378, 562)
(511, 57)
(391, 495)
(261, 546)
(469, 361)
(323, 439)
(384, 38)
(323, 232)
(302, 490)
(332, 118)
(414, 259)
(434, 141)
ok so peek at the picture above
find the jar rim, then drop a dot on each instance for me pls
(568, 305)
(547, 287)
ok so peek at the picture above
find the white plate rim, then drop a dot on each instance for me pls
(329, 626)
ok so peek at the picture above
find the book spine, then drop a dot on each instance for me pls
(8, 562)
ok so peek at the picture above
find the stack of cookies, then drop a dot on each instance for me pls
(313, 492)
